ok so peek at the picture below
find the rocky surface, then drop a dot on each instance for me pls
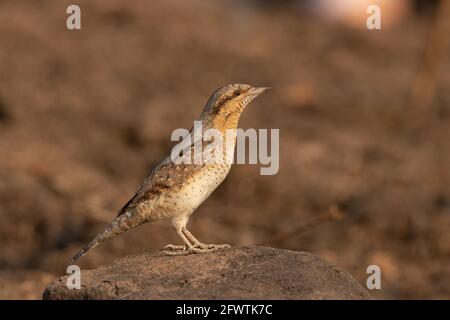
(236, 273)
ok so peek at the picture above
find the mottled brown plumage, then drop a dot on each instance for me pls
(174, 190)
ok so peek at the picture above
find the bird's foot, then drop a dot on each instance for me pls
(183, 250)
(175, 247)
(175, 250)
(197, 245)
(212, 246)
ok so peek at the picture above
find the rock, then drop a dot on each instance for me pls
(236, 273)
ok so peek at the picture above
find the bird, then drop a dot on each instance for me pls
(176, 187)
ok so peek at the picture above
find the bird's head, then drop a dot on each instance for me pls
(228, 102)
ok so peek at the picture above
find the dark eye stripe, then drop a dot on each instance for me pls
(225, 99)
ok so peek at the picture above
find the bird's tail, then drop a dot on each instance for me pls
(85, 249)
(119, 225)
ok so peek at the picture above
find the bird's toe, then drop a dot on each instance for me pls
(219, 246)
(175, 247)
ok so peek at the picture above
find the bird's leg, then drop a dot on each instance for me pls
(201, 245)
(180, 225)
(188, 249)
(196, 242)
(177, 249)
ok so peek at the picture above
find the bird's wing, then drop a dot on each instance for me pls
(166, 176)
(152, 187)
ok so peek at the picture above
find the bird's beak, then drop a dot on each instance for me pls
(257, 91)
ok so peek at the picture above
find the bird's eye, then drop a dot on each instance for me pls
(237, 93)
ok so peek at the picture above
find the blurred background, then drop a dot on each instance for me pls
(363, 116)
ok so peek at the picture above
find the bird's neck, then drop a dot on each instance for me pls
(227, 126)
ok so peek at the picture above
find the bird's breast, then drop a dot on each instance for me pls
(200, 185)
